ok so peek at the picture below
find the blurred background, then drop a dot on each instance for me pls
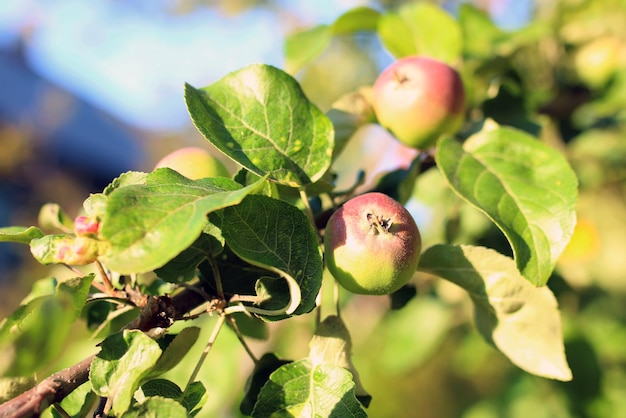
(92, 89)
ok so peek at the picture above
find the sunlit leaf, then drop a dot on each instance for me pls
(421, 29)
(149, 224)
(303, 47)
(300, 389)
(521, 320)
(480, 33)
(66, 249)
(118, 369)
(175, 350)
(525, 187)
(156, 407)
(260, 117)
(37, 331)
(74, 293)
(21, 234)
(52, 216)
(332, 344)
(273, 234)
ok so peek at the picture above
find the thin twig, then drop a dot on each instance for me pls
(216, 330)
(233, 325)
(105, 278)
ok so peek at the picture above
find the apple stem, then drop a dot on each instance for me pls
(378, 223)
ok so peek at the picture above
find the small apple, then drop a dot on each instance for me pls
(418, 99)
(597, 61)
(372, 245)
(194, 163)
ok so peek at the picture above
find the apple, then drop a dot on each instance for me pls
(596, 62)
(418, 99)
(194, 163)
(372, 245)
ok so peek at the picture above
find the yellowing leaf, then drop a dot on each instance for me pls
(521, 320)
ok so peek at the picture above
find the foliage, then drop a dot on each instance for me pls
(236, 258)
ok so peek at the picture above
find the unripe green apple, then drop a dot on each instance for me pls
(372, 245)
(596, 62)
(194, 163)
(418, 99)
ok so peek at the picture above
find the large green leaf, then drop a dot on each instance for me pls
(149, 224)
(275, 235)
(525, 187)
(301, 389)
(521, 320)
(421, 29)
(123, 362)
(260, 117)
(303, 47)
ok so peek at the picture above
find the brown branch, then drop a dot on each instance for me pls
(156, 312)
(50, 390)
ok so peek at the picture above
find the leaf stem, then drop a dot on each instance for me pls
(105, 278)
(218, 278)
(307, 206)
(216, 330)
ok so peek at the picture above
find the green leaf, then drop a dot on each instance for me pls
(37, 331)
(21, 234)
(260, 117)
(175, 350)
(149, 224)
(480, 33)
(525, 187)
(156, 407)
(355, 20)
(300, 389)
(183, 267)
(332, 344)
(125, 179)
(66, 249)
(194, 397)
(263, 368)
(162, 387)
(118, 369)
(52, 216)
(33, 335)
(277, 236)
(74, 293)
(521, 320)
(303, 47)
(79, 403)
(421, 29)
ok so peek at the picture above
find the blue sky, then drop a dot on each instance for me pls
(132, 58)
